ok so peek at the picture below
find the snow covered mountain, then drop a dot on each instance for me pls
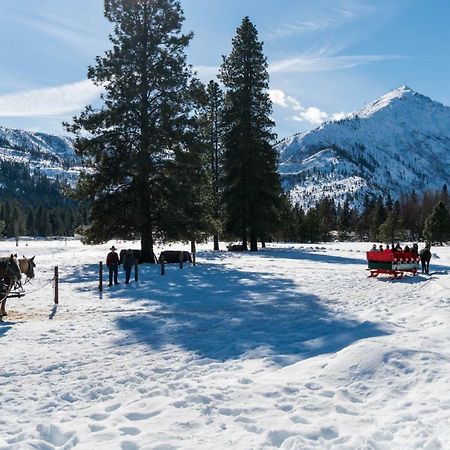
(52, 155)
(398, 143)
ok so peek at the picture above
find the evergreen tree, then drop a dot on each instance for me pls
(344, 220)
(445, 198)
(213, 137)
(252, 185)
(437, 224)
(328, 217)
(144, 131)
(391, 229)
(312, 227)
(30, 223)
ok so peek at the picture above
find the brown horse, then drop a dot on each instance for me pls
(9, 275)
(26, 266)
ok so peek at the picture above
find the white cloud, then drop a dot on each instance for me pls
(51, 101)
(285, 101)
(47, 21)
(206, 73)
(325, 63)
(312, 115)
(301, 27)
(278, 97)
(341, 14)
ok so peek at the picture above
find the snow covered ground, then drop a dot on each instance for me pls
(291, 348)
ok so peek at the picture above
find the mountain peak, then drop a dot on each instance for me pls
(400, 93)
(398, 143)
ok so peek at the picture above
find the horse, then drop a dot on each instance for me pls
(9, 275)
(26, 266)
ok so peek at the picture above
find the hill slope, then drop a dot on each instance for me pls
(53, 156)
(398, 143)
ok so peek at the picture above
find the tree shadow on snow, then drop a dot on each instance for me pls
(222, 313)
(5, 327)
(308, 254)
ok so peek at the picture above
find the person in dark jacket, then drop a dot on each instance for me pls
(112, 261)
(425, 256)
(128, 263)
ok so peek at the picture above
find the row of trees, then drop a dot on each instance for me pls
(412, 217)
(168, 157)
(33, 205)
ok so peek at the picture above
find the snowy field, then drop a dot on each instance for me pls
(291, 348)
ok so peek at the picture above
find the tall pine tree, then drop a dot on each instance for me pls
(213, 137)
(145, 130)
(252, 186)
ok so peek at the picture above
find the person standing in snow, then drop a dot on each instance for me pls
(128, 262)
(112, 261)
(425, 256)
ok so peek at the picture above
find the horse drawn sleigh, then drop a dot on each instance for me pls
(11, 270)
(393, 263)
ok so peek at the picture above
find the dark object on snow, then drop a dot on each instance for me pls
(392, 263)
(236, 248)
(138, 256)
(173, 256)
(425, 256)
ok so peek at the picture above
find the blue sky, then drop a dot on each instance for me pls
(326, 57)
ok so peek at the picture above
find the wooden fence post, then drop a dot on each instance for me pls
(181, 259)
(161, 260)
(136, 272)
(100, 276)
(56, 286)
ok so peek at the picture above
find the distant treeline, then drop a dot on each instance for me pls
(33, 205)
(413, 217)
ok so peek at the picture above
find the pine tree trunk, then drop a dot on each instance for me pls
(216, 242)
(263, 244)
(253, 242)
(147, 253)
(193, 248)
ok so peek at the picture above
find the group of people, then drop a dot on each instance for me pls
(424, 254)
(113, 262)
(396, 248)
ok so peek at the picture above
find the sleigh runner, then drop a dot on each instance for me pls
(392, 263)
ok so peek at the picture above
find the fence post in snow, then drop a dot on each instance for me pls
(100, 276)
(56, 286)
(161, 261)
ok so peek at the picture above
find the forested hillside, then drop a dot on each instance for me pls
(31, 204)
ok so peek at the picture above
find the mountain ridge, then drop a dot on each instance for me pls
(397, 143)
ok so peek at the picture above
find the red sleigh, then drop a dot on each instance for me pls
(392, 263)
